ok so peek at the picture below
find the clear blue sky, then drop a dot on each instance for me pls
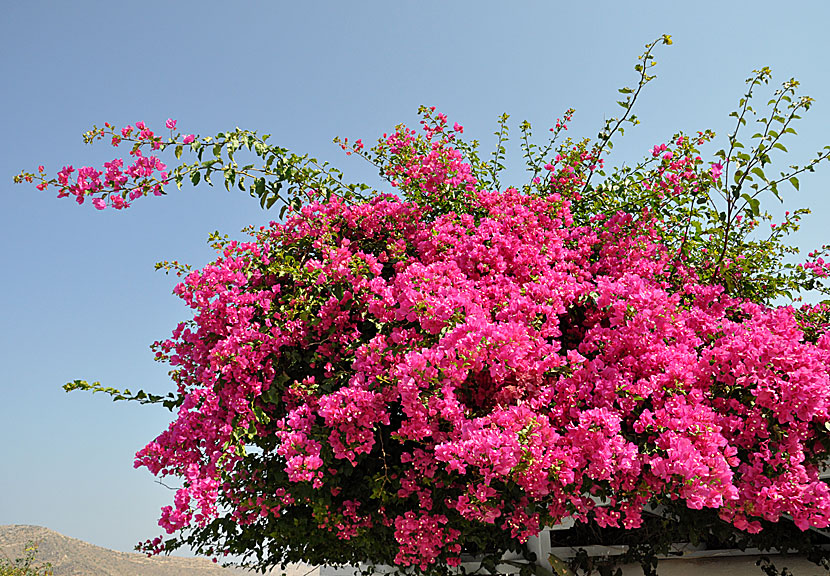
(79, 295)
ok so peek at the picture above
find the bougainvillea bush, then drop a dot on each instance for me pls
(447, 367)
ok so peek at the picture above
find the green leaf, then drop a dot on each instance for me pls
(272, 395)
(794, 182)
(179, 149)
(774, 189)
(754, 204)
(759, 173)
(195, 177)
(260, 415)
(559, 566)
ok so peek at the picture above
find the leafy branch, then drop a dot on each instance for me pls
(283, 177)
(170, 401)
(499, 154)
(614, 125)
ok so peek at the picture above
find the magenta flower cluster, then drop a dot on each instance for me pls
(505, 367)
(114, 185)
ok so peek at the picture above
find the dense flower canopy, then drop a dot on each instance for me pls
(576, 369)
(408, 378)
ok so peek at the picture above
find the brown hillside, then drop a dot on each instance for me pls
(73, 557)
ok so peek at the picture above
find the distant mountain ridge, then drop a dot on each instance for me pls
(73, 557)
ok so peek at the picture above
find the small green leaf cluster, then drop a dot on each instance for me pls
(26, 565)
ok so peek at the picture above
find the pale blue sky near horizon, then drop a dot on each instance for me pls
(80, 298)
